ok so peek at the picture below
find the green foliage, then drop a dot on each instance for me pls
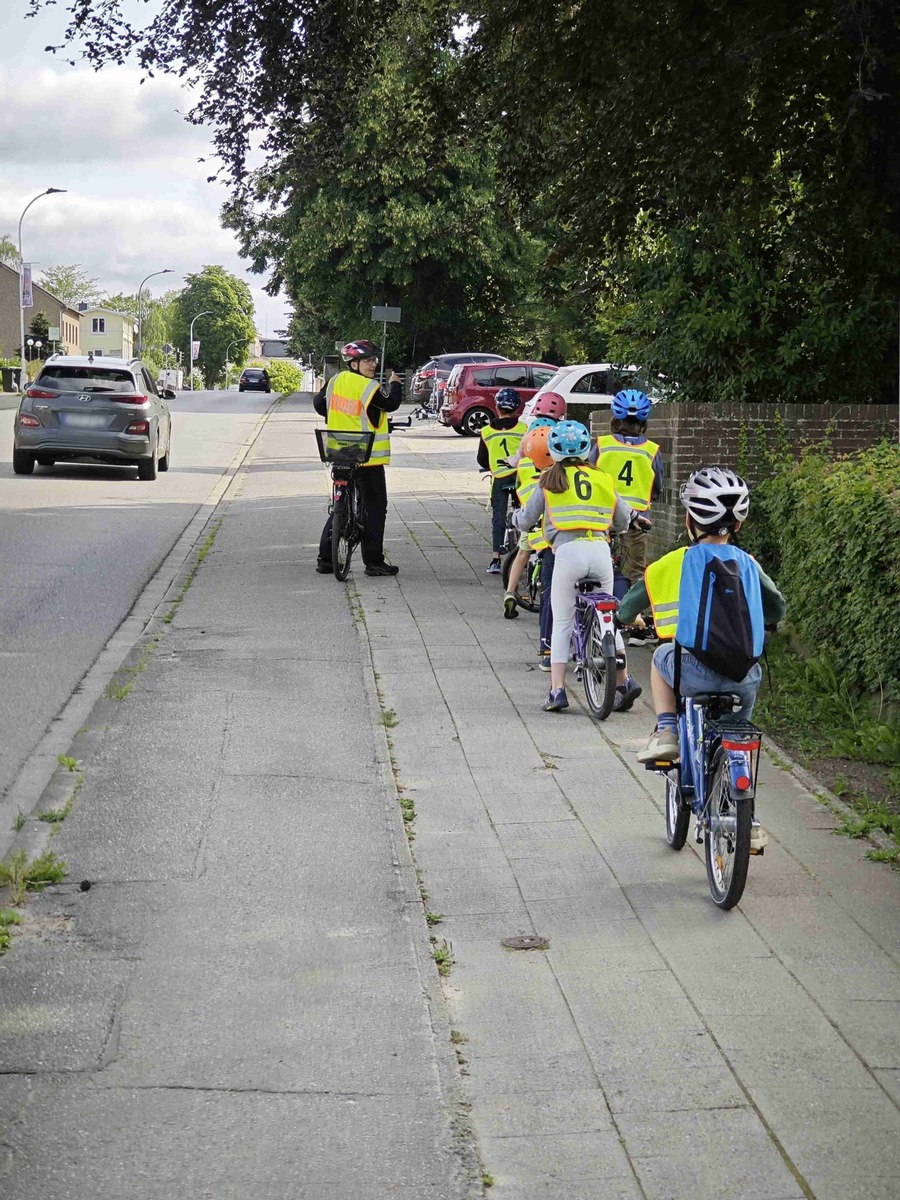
(829, 532)
(72, 284)
(286, 376)
(39, 329)
(229, 304)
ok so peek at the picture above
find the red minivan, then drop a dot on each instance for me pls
(469, 394)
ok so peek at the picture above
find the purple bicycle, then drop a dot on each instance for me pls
(594, 646)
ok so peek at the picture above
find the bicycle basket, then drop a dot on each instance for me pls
(346, 447)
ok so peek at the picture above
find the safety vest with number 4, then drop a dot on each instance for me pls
(631, 467)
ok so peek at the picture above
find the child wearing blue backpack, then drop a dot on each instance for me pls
(713, 600)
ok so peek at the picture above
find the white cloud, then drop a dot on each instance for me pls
(72, 116)
(137, 198)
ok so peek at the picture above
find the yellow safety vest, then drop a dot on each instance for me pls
(536, 539)
(663, 580)
(526, 479)
(502, 444)
(631, 467)
(348, 395)
(588, 503)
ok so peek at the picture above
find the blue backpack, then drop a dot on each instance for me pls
(720, 613)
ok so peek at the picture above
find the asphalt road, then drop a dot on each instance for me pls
(77, 545)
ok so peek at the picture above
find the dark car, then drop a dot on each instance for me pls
(439, 368)
(470, 391)
(108, 409)
(254, 379)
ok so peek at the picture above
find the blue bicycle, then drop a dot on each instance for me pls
(716, 781)
(594, 646)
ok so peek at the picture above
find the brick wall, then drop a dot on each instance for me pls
(696, 435)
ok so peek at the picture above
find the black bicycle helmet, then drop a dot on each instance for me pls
(508, 400)
(358, 350)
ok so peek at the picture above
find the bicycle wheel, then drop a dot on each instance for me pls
(727, 840)
(678, 814)
(599, 668)
(528, 596)
(342, 534)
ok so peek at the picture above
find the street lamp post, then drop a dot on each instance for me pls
(46, 192)
(152, 275)
(208, 313)
(233, 342)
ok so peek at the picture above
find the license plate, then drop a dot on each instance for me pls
(78, 420)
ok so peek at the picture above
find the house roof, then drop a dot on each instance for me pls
(40, 288)
(101, 308)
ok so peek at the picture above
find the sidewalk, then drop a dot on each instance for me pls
(244, 1002)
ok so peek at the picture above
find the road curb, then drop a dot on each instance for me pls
(42, 782)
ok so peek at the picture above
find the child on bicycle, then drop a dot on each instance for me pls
(717, 502)
(636, 465)
(577, 505)
(498, 445)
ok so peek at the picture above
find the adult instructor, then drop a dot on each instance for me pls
(354, 400)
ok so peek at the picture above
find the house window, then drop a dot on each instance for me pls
(98, 324)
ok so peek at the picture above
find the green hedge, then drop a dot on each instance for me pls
(828, 530)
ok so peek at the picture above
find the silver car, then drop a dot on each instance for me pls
(104, 409)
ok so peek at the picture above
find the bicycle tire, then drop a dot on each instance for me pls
(342, 535)
(527, 598)
(678, 814)
(726, 886)
(599, 669)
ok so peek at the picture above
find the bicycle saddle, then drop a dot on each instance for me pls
(588, 585)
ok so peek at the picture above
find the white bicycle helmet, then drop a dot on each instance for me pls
(716, 496)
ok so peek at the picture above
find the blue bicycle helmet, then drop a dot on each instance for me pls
(538, 422)
(568, 439)
(631, 403)
(508, 400)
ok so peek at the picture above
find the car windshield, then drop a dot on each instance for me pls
(87, 379)
(554, 381)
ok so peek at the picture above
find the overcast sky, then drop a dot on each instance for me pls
(137, 198)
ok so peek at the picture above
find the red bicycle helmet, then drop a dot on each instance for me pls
(550, 404)
(356, 351)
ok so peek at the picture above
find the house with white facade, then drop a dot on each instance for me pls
(106, 332)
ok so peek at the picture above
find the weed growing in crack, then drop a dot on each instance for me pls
(442, 953)
(389, 719)
(67, 761)
(19, 821)
(8, 917)
(434, 918)
(21, 875)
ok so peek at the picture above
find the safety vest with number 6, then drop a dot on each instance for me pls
(588, 502)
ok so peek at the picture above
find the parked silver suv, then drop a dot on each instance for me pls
(107, 409)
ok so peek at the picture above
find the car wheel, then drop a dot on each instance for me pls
(474, 421)
(147, 467)
(240, 389)
(44, 461)
(164, 461)
(23, 464)
(458, 429)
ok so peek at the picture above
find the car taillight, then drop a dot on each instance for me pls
(28, 421)
(138, 427)
(135, 401)
(427, 374)
(36, 393)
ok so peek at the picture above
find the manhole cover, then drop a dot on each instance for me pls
(532, 941)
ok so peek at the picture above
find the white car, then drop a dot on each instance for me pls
(591, 384)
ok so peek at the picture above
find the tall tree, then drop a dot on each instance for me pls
(71, 284)
(228, 305)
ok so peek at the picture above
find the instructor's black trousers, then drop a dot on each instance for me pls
(373, 488)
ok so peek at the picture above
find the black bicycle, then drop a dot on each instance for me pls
(345, 451)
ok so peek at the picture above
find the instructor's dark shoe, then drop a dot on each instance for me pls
(323, 567)
(382, 568)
